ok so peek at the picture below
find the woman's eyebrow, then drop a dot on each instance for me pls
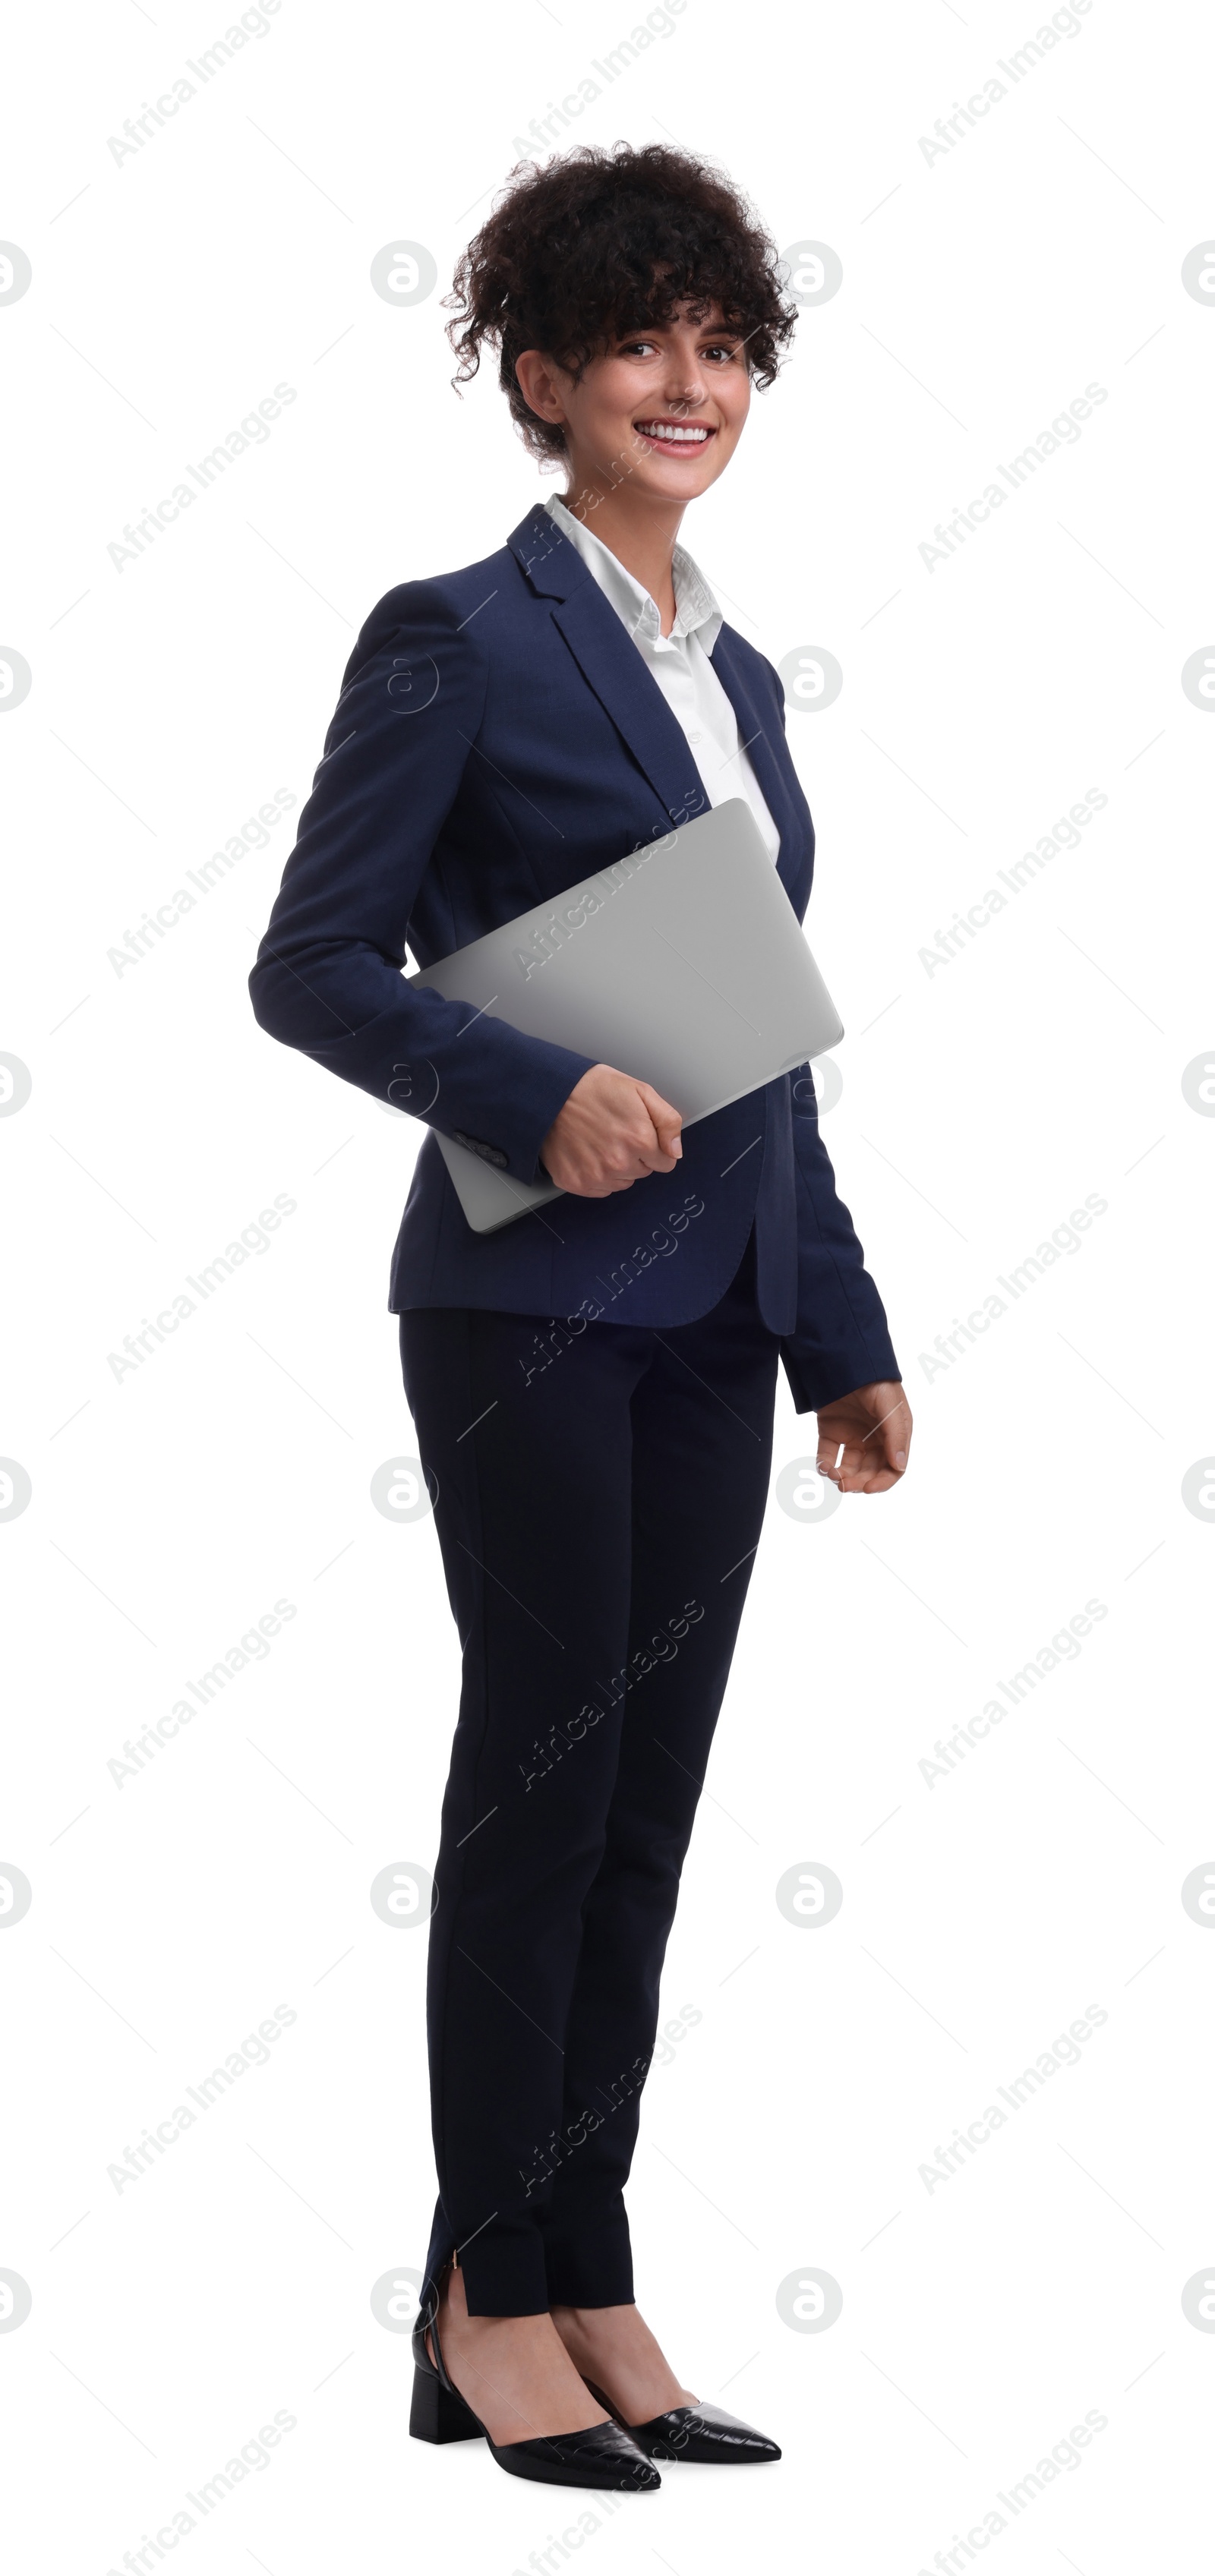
(704, 331)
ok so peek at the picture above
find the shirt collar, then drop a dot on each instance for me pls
(696, 610)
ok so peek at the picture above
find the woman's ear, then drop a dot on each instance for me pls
(534, 375)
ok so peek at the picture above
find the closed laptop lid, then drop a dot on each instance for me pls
(682, 963)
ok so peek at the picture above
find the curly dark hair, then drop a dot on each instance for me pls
(599, 243)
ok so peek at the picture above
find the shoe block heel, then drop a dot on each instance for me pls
(437, 2415)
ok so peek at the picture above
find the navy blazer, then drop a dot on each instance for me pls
(499, 738)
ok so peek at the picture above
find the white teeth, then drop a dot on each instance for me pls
(661, 429)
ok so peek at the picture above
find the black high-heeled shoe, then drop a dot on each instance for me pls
(705, 2435)
(601, 2455)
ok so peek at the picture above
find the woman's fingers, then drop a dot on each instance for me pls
(612, 1131)
(851, 1472)
(891, 1433)
(665, 1121)
(865, 1440)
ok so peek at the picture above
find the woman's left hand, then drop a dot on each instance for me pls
(873, 1426)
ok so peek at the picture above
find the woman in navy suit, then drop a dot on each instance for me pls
(592, 1385)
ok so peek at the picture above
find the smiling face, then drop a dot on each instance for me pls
(664, 408)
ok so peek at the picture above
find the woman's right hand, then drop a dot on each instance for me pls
(611, 1132)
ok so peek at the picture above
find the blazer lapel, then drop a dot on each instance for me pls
(769, 761)
(611, 665)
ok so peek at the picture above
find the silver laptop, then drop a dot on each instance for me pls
(682, 963)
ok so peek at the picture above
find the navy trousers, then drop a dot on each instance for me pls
(600, 1496)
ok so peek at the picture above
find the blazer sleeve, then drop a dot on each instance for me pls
(841, 1339)
(328, 976)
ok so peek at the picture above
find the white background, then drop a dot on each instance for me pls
(982, 291)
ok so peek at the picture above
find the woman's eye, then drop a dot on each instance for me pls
(642, 348)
